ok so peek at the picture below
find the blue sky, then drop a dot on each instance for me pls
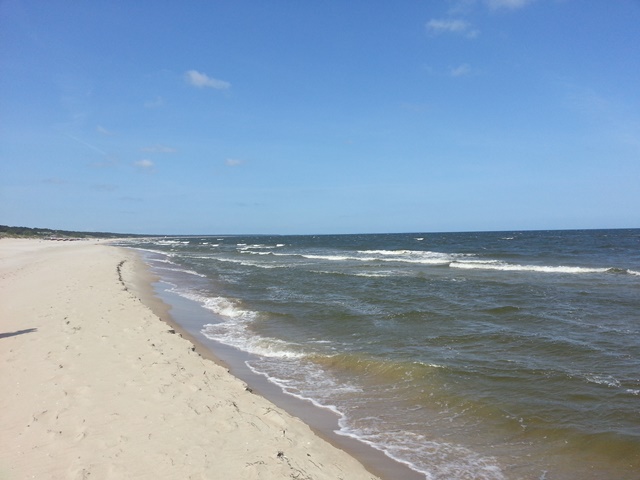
(302, 116)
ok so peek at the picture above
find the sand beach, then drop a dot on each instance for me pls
(95, 385)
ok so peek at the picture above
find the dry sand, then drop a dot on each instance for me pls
(95, 386)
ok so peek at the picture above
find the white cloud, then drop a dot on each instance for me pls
(462, 7)
(144, 164)
(157, 103)
(158, 149)
(233, 162)
(509, 4)
(460, 70)
(458, 27)
(202, 80)
(103, 131)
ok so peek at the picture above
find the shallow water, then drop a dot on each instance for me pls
(466, 355)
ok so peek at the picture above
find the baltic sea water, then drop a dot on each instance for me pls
(492, 355)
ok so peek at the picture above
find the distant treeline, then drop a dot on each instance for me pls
(26, 232)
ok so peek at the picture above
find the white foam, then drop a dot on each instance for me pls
(249, 264)
(414, 256)
(232, 330)
(162, 260)
(332, 258)
(607, 380)
(508, 267)
(162, 252)
(432, 365)
(235, 335)
(288, 386)
(182, 270)
(378, 274)
(402, 256)
(434, 459)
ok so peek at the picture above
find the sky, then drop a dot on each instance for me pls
(309, 117)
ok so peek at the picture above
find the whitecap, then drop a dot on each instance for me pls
(608, 380)
(508, 267)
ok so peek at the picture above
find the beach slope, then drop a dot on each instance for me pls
(94, 385)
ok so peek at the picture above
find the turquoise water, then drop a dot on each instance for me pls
(465, 355)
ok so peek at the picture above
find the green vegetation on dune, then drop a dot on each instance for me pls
(45, 233)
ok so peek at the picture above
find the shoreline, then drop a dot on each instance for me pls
(186, 317)
(96, 385)
(136, 276)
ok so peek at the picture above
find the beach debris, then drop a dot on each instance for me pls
(119, 270)
(171, 330)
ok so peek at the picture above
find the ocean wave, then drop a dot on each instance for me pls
(249, 264)
(233, 328)
(401, 256)
(295, 378)
(151, 250)
(220, 306)
(380, 274)
(509, 267)
(162, 260)
(235, 335)
(434, 459)
(182, 270)
(335, 258)
(249, 252)
(367, 366)
(607, 380)
(414, 256)
(258, 246)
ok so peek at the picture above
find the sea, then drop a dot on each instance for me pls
(486, 355)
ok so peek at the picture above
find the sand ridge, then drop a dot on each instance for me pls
(94, 385)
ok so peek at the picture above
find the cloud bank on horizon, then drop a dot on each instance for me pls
(428, 116)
